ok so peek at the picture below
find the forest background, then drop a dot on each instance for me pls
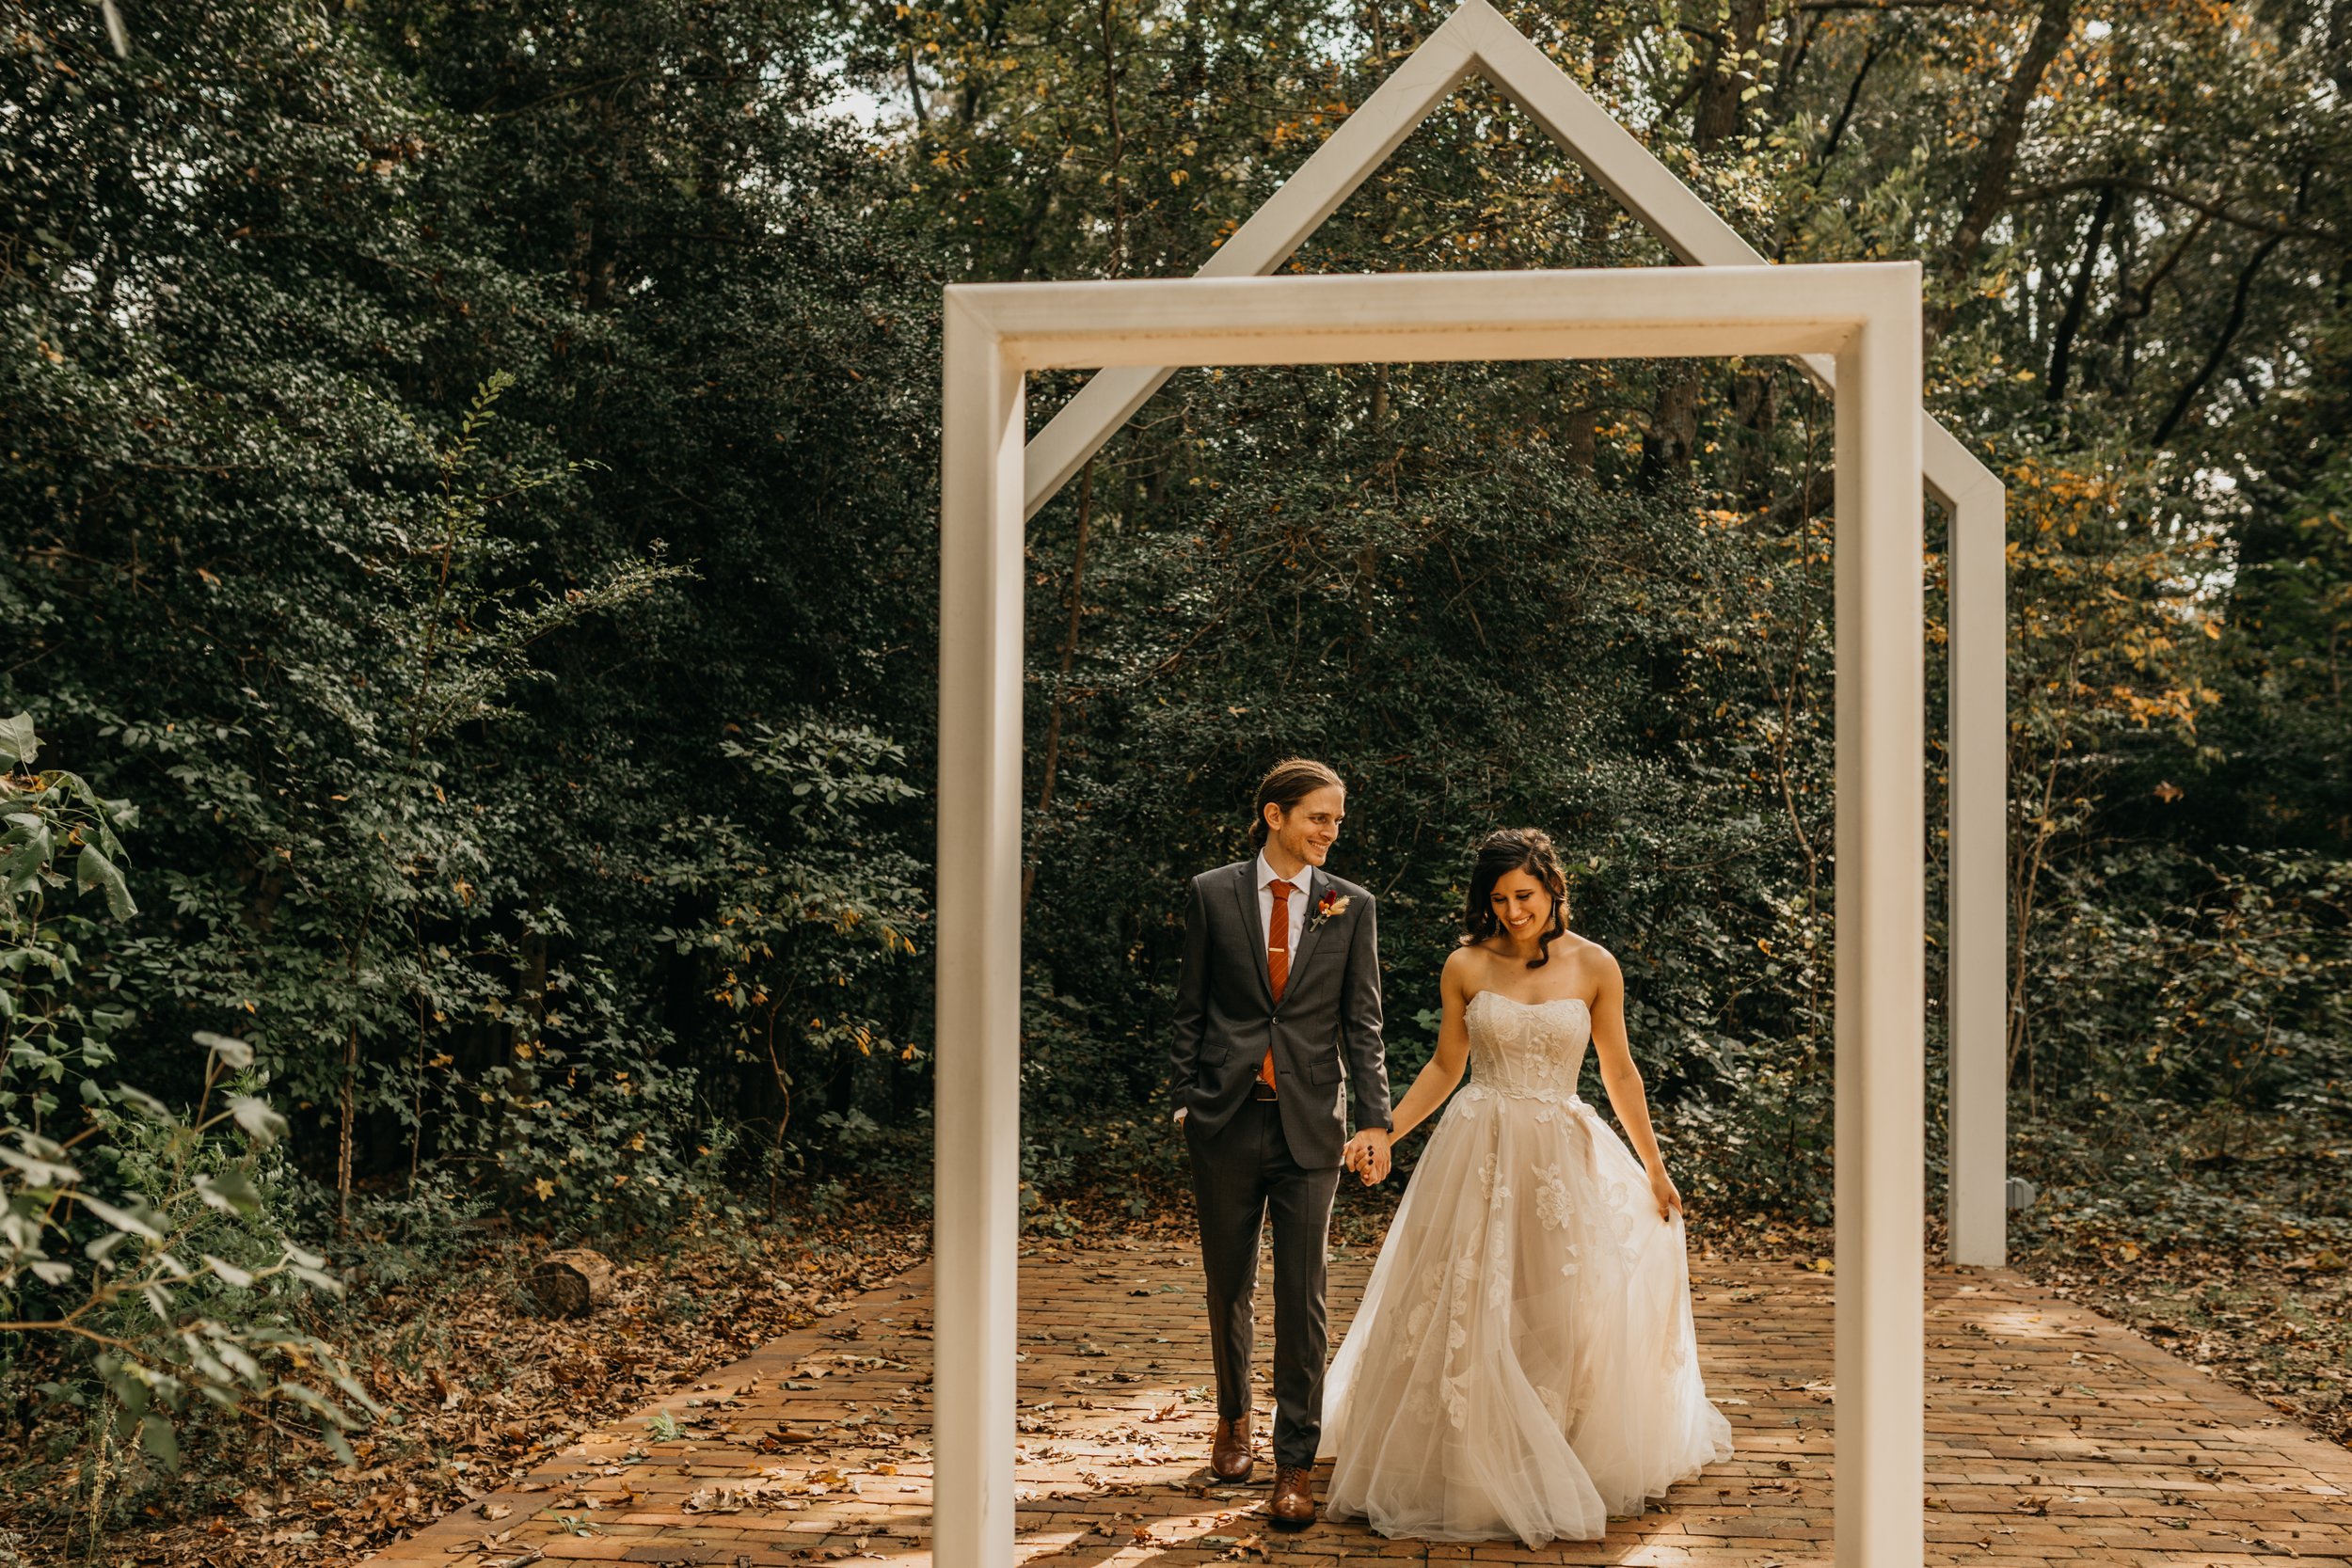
(469, 600)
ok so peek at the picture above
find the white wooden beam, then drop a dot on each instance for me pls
(1389, 317)
(1361, 144)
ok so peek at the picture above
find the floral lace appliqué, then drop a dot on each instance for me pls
(1551, 1197)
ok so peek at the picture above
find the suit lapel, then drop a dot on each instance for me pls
(1310, 930)
(1246, 891)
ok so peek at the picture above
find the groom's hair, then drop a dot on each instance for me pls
(1286, 784)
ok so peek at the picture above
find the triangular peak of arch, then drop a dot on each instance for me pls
(1475, 40)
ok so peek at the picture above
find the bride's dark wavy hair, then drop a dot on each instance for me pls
(1501, 852)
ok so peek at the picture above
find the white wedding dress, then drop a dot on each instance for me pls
(1523, 1362)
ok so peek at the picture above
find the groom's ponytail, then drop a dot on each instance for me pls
(1286, 784)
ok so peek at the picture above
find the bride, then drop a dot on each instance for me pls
(1523, 1363)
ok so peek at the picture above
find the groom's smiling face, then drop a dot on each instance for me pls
(1306, 831)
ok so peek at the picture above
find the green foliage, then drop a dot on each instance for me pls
(55, 1022)
(190, 1286)
(411, 695)
(803, 927)
(179, 1280)
(582, 1124)
(2222, 986)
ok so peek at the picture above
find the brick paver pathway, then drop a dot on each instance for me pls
(2053, 1435)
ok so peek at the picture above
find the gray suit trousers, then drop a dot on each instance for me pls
(1242, 1173)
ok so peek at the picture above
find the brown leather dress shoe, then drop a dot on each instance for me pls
(1229, 1450)
(1294, 1504)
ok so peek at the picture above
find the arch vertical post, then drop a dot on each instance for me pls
(1976, 1198)
(976, 1170)
(1881, 950)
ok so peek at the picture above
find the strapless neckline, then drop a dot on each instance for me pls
(1550, 1002)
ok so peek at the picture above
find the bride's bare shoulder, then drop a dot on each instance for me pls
(1587, 954)
(1466, 966)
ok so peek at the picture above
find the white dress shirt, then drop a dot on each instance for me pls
(1267, 880)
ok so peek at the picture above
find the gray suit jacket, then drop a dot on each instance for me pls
(1328, 1062)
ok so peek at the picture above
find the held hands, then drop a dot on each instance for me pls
(1367, 1155)
(1664, 1192)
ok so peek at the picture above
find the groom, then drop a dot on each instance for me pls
(1277, 1039)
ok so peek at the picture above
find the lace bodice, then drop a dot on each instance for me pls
(1530, 1049)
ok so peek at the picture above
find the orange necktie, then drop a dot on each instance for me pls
(1278, 959)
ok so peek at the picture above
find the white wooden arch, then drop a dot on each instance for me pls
(1866, 315)
(1477, 39)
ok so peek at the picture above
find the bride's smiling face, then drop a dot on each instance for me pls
(1522, 906)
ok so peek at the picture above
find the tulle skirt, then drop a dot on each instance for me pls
(1523, 1362)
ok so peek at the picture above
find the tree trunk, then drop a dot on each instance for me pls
(1673, 436)
(2056, 19)
(572, 1283)
(1716, 119)
(1119, 146)
(1579, 437)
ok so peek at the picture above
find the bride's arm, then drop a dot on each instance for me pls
(1437, 1080)
(1623, 1080)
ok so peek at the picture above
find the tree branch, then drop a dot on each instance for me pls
(2139, 297)
(2207, 205)
(61, 1325)
(2230, 327)
(2071, 321)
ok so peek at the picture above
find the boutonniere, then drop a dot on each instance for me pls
(1333, 902)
